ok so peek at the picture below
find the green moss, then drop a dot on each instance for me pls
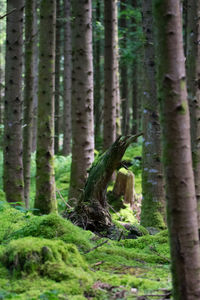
(54, 227)
(2, 196)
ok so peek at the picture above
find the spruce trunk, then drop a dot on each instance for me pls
(180, 189)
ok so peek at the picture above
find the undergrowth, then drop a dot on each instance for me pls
(47, 257)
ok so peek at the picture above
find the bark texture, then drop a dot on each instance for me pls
(153, 200)
(82, 96)
(110, 68)
(180, 189)
(57, 77)
(193, 83)
(67, 80)
(13, 167)
(45, 186)
(134, 87)
(30, 7)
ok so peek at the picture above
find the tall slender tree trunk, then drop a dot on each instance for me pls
(134, 96)
(110, 89)
(57, 78)
(97, 77)
(193, 81)
(45, 186)
(82, 96)
(124, 72)
(180, 189)
(13, 167)
(30, 7)
(153, 204)
(67, 80)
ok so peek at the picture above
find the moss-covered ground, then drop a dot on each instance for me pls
(47, 257)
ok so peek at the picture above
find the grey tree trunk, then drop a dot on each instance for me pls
(13, 166)
(45, 186)
(153, 200)
(110, 88)
(67, 80)
(30, 7)
(180, 188)
(134, 87)
(57, 77)
(82, 96)
(193, 83)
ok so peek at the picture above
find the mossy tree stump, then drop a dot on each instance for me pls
(92, 210)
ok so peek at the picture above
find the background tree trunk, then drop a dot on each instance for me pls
(30, 7)
(82, 96)
(13, 167)
(153, 204)
(45, 186)
(67, 80)
(180, 189)
(57, 77)
(110, 93)
(193, 82)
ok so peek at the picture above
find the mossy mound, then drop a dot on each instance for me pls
(54, 259)
(54, 227)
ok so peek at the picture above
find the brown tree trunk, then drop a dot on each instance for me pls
(82, 96)
(153, 204)
(193, 82)
(97, 77)
(67, 81)
(57, 78)
(124, 73)
(110, 89)
(13, 167)
(45, 186)
(134, 86)
(30, 7)
(180, 189)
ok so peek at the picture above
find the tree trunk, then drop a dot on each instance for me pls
(45, 186)
(97, 87)
(193, 81)
(134, 87)
(57, 78)
(153, 204)
(124, 72)
(180, 189)
(13, 166)
(82, 96)
(67, 80)
(110, 89)
(30, 7)
(92, 210)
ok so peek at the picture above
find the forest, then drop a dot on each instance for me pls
(100, 149)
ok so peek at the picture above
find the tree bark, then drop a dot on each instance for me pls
(134, 87)
(153, 200)
(193, 83)
(110, 89)
(57, 78)
(13, 166)
(30, 7)
(82, 96)
(124, 72)
(180, 189)
(45, 186)
(67, 80)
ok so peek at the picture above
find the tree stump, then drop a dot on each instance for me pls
(92, 211)
(124, 186)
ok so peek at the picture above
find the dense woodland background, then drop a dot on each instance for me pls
(99, 149)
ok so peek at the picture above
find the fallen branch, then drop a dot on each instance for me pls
(10, 12)
(94, 248)
(61, 197)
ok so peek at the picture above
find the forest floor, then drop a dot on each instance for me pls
(47, 257)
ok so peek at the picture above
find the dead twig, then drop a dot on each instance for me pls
(61, 197)
(94, 248)
(10, 12)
